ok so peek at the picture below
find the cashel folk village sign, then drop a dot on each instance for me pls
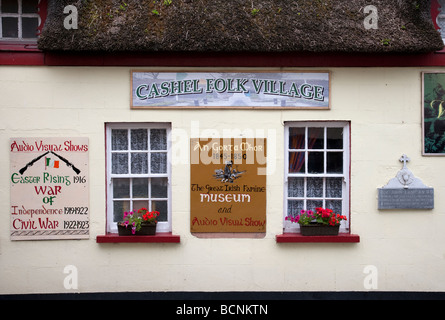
(286, 90)
(228, 185)
(49, 188)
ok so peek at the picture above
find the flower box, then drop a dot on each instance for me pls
(145, 230)
(318, 229)
(142, 223)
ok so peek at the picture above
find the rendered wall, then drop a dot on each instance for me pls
(406, 248)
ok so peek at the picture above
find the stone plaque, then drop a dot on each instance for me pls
(405, 191)
(406, 198)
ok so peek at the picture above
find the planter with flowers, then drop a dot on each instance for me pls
(322, 222)
(141, 223)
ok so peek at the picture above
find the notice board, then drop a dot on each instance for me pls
(228, 185)
(49, 188)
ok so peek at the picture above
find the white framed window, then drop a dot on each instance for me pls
(138, 171)
(19, 20)
(317, 165)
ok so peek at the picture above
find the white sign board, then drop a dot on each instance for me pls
(284, 90)
(49, 188)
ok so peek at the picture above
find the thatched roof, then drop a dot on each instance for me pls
(241, 26)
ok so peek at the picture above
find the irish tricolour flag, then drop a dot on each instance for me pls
(51, 163)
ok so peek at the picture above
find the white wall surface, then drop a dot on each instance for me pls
(407, 248)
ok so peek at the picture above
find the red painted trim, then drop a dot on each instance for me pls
(160, 237)
(223, 60)
(297, 237)
(10, 58)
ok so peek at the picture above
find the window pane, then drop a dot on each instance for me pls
(10, 27)
(159, 187)
(139, 163)
(312, 204)
(119, 207)
(140, 204)
(158, 139)
(334, 205)
(296, 188)
(316, 162)
(29, 27)
(335, 138)
(315, 187)
(121, 188)
(316, 138)
(335, 162)
(334, 187)
(10, 6)
(139, 139)
(296, 162)
(158, 163)
(119, 140)
(119, 163)
(296, 138)
(294, 207)
(162, 207)
(140, 188)
(30, 6)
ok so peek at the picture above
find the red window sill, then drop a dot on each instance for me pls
(297, 237)
(160, 237)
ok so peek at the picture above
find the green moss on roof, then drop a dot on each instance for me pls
(241, 26)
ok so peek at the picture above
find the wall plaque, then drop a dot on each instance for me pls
(286, 90)
(49, 188)
(406, 198)
(228, 185)
(405, 191)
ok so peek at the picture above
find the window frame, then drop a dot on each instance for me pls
(289, 227)
(20, 15)
(163, 226)
(15, 48)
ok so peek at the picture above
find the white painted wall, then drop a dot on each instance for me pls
(384, 107)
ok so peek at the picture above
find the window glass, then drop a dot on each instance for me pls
(297, 138)
(158, 163)
(119, 163)
(139, 139)
(29, 27)
(158, 139)
(335, 138)
(30, 6)
(297, 162)
(10, 27)
(119, 139)
(315, 138)
(9, 6)
(139, 163)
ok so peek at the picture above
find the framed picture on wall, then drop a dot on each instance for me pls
(433, 113)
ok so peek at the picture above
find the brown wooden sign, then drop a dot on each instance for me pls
(228, 185)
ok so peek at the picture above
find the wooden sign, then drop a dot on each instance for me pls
(228, 185)
(256, 89)
(49, 188)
